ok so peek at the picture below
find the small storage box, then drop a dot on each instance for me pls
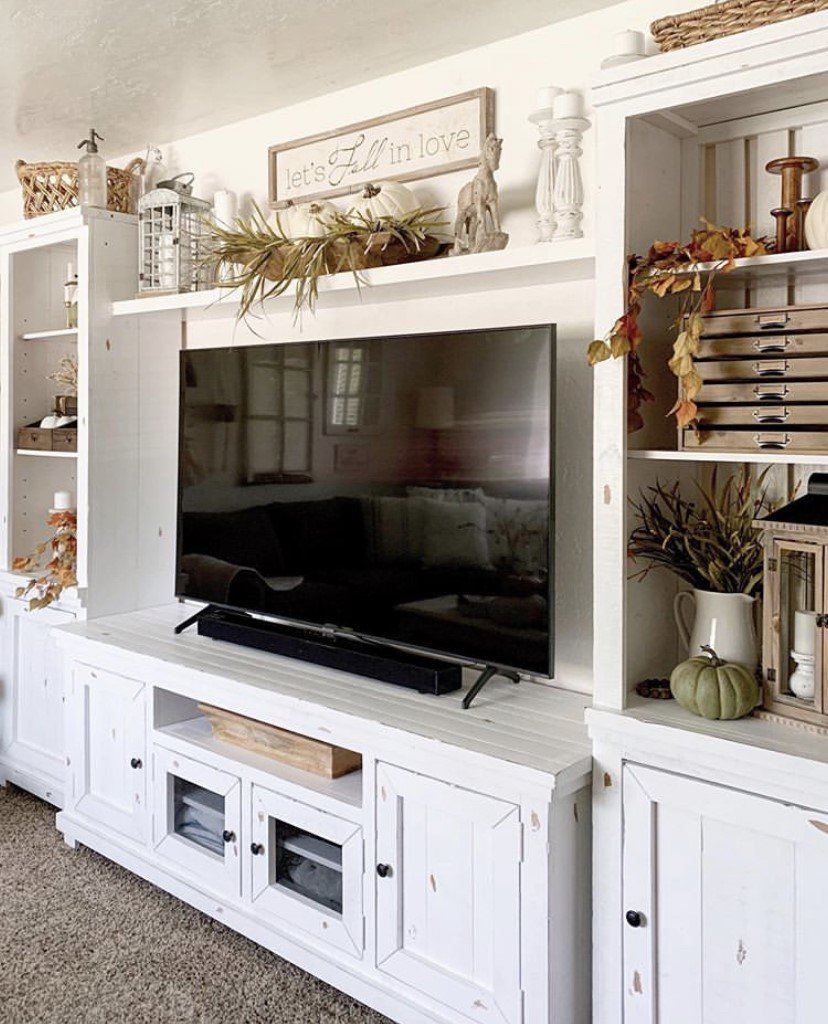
(34, 438)
(65, 439)
(288, 747)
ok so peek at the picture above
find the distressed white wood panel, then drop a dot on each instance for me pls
(106, 721)
(463, 830)
(639, 867)
(731, 183)
(766, 195)
(812, 140)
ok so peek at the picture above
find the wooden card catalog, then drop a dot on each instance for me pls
(433, 138)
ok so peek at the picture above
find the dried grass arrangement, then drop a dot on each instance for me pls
(709, 542)
(259, 260)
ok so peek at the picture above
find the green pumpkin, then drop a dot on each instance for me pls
(714, 689)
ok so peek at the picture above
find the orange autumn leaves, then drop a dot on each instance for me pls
(672, 268)
(59, 571)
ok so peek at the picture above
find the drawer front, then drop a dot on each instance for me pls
(753, 440)
(35, 439)
(767, 415)
(766, 368)
(752, 345)
(751, 321)
(774, 391)
(64, 440)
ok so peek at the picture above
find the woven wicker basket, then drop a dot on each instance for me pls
(725, 19)
(51, 187)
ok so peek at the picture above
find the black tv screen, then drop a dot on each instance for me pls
(397, 488)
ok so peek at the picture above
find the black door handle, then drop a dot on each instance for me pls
(634, 918)
(256, 849)
(383, 870)
(228, 836)
(136, 762)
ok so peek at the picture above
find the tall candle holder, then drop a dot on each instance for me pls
(569, 186)
(544, 119)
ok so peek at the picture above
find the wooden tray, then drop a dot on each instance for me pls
(288, 747)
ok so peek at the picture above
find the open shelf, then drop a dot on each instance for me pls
(543, 263)
(759, 458)
(776, 268)
(198, 732)
(46, 454)
(64, 332)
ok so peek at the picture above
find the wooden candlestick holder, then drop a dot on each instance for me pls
(791, 168)
(781, 215)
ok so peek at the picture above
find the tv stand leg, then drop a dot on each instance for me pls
(193, 619)
(488, 672)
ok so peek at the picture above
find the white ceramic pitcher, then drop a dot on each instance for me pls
(724, 622)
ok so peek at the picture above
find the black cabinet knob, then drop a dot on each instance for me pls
(136, 762)
(256, 849)
(228, 836)
(634, 918)
(383, 870)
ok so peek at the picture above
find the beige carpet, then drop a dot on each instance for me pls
(83, 941)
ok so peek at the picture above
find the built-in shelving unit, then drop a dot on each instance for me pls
(512, 267)
(63, 332)
(775, 268)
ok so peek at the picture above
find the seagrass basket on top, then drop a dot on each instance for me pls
(725, 19)
(49, 187)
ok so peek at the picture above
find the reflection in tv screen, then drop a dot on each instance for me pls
(396, 487)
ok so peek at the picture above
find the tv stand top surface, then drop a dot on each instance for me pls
(536, 726)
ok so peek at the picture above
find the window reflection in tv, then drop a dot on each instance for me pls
(396, 487)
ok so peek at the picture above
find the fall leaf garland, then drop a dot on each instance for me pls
(672, 268)
(60, 570)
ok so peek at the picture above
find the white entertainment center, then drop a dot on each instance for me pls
(463, 843)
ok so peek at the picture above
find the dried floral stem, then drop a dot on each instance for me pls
(710, 543)
(60, 570)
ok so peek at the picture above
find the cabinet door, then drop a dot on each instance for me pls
(731, 896)
(32, 688)
(306, 869)
(197, 820)
(107, 740)
(448, 894)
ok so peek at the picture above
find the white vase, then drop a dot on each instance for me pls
(724, 622)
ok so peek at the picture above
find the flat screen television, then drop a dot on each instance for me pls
(398, 489)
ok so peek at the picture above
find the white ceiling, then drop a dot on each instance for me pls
(156, 70)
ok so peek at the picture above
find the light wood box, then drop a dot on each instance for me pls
(288, 747)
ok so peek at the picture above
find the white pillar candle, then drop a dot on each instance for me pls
(628, 44)
(547, 95)
(225, 207)
(63, 501)
(804, 632)
(568, 104)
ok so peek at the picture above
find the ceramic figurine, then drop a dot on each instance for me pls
(477, 227)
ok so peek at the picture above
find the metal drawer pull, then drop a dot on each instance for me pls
(773, 344)
(771, 393)
(771, 415)
(771, 369)
(766, 321)
(771, 441)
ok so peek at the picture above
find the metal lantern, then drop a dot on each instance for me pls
(795, 615)
(173, 237)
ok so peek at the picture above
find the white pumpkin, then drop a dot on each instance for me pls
(385, 199)
(816, 223)
(307, 220)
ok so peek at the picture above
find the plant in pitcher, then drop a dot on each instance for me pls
(709, 543)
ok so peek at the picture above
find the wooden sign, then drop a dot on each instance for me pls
(433, 138)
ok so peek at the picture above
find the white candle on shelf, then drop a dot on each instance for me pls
(628, 43)
(547, 95)
(804, 632)
(63, 501)
(568, 104)
(225, 207)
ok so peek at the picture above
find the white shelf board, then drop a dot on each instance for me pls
(762, 458)
(783, 266)
(66, 332)
(542, 263)
(46, 454)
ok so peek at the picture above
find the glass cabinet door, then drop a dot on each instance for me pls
(796, 605)
(198, 820)
(306, 869)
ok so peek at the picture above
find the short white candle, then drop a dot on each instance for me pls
(804, 632)
(568, 104)
(546, 96)
(628, 44)
(225, 207)
(63, 501)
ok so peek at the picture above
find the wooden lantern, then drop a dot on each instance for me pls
(795, 617)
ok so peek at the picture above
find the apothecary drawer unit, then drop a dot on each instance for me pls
(306, 869)
(197, 820)
(765, 382)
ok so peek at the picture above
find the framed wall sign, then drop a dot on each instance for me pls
(433, 138)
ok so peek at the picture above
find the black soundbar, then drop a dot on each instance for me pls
(428, 675)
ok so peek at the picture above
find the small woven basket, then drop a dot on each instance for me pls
(726, 19)
(48, 187)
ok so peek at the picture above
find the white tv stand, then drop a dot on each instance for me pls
(463, 843)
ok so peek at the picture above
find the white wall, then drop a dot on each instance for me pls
(566, 54)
